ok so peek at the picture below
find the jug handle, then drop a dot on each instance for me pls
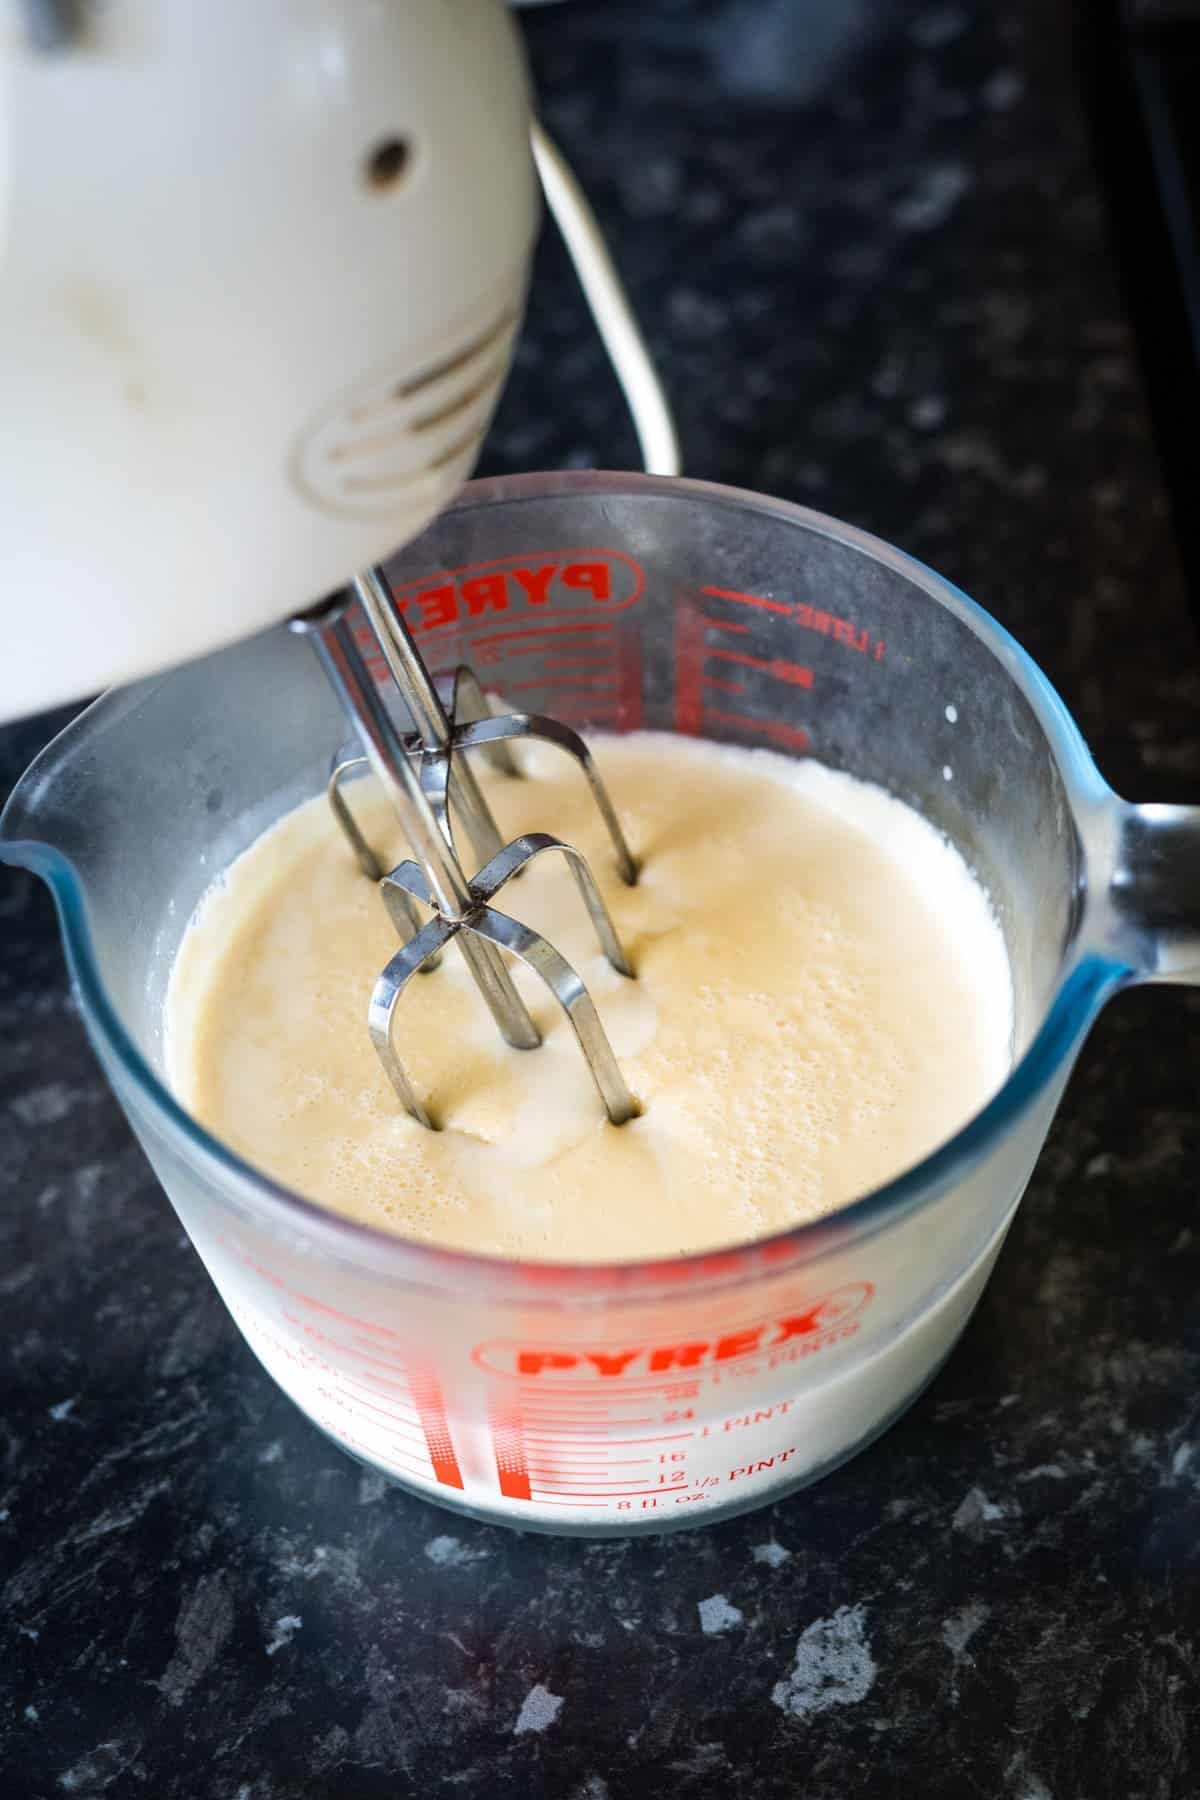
(1154, 893)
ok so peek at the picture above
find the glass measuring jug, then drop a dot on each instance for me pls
(647, 1396)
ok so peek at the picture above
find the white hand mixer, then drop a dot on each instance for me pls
(261, 272)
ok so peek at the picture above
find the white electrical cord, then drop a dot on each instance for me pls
(609, 307)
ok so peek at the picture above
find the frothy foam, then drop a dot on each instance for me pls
(823, 996)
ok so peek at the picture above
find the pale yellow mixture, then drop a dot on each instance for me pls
(822, 997)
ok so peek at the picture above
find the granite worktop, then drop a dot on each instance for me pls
(867, 244)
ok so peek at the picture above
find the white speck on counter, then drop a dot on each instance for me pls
(717, 1615)
(64, 1409)
(960, 1627)
(936, 29)
(538, 1709)
(203, 1627)
(333, 1560)
(947, 772)
(97, 1771)
(451, 1553)
(932, 198)
(1031, 1786)
(773, 1554)
(46, 1105)
(952, 714)
(285, 1630)
(1002, 89)
(32, 1715)
(833, 1666)
(928, 412)
(976, 1509)
(272, 1454)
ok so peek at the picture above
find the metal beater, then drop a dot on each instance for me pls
(425, 775)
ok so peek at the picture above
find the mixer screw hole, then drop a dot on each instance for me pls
(387, 162)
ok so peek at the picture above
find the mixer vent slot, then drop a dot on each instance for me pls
(408, 432)
(452, 364)
(376, 484)
(451, 410)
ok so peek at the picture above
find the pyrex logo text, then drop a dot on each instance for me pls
(830, 1317)
(536, 582)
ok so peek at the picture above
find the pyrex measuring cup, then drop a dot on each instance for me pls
(638, 1397)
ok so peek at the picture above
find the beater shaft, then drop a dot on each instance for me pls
(411, 676)
(425, 779)
(343, 663)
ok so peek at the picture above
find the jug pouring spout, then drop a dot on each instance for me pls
(37, 814)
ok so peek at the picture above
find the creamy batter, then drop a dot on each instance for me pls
(822, 997)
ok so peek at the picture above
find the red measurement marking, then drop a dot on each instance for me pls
(332, 1312)
(431, 1410)
(342, 1346)
(594, 1420)
(375, 1362)
(405, 1459)
(565, 1408)
(727, 625)
(579, 662)
(572, 1465)
(689, 670)
(571, 1484)
(542, 629)
(597, 1419)
(546, 1500)
(771, 665)
(672, 1438)
(385, 1412)
(775, 606)
(623, 1494)
(724, 687)
(629, 676)
(423, 1384)
(567, 1451)
(402, 1428)
(842, 631)
(562, 687)
(568, 1471)
(574, 1440)
(779, 733)
(508, 1448)
(544, 1402)
(540, 1475)
(376, 1384)
(808, 618)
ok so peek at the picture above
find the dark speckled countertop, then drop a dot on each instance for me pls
(869, 249)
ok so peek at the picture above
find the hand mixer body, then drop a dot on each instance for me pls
(261, 268)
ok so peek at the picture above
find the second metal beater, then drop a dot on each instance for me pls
(426, 776)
